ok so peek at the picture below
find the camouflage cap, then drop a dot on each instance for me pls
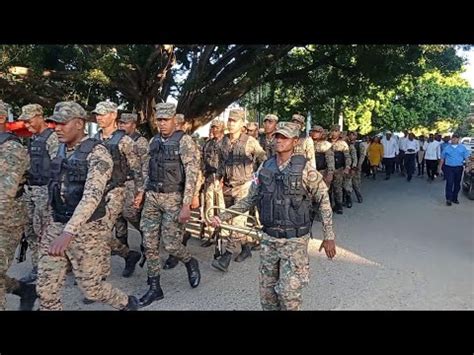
(30, 111)
(105, 107)
(288, 129)
(298, 118)
(317, 128)
(180, 118)
(335, 127)
(217, 123)
(67, 110)
(252, 125)
(165, 110)
(271, 117)
(3, 109)
(237, 114)
(128, 117)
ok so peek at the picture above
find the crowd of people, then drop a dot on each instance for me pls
(73, 197)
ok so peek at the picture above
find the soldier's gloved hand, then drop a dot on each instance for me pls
(195, 202)
(60, 244)
(184, 214)
(137, 202)
(215, 221)
(329, 247)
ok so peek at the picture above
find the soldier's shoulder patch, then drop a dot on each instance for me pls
(103, 166)
(314, 176)
(255, 179)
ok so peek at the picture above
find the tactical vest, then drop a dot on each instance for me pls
(238, 166)
(357, 147)
(321, 163)
(210, 153)
(135, 135)
(5, 137)
(284, 206)
(39, 173)
(71, 174)
(339, 159)
(166, 170)
(121, 171)
(268, 148)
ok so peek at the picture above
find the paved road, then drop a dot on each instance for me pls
(400, 249)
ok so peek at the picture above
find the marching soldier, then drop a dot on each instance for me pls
(128, 123)
(211, 152)
(353, 167)
(266, 140)
(342, 162)
(42, 148)
(286, 188)
(170, 173)
(305, 145)
(78, 232)
(357, 170)
(14, 162)
(324, 154)
(126, 167)
(238, 154)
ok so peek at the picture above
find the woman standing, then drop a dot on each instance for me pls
(375, 154)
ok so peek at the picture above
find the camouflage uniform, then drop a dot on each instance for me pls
(354, 164)
(160, 212)
(91, 237)
(324, 166)
(129, 213)
(305, 144)
(236, 186)
(284, 263)
(37, 195)
(338, 182)
(14, 162)
(356, 175)
(213, 195)
(115, 196)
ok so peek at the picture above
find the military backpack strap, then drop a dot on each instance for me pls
(7, 136)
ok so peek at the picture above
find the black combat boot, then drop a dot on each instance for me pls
(359, 196)
(256, 245)
(132, 305)
(223, 262)
(171, 262)
(348, 199)
(154, 293)
(28, 296)
(131, 261)
(87, 301)
(244, 254)
(194, 275)
(31, 277)
(206, 243)
(186, 237)
(338, 208)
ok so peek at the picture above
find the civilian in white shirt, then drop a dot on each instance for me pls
(411, 149)
(400, 161)
(390, 152)
(432, 155)
(420, 157)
